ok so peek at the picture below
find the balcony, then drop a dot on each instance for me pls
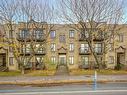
(84, 51)
(39, 38)
(23, 38)
(41, 52)
(28, 37)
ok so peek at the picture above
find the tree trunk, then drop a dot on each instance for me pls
(22, 70)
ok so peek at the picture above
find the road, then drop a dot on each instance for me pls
(84, 89)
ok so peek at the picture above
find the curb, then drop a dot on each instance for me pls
(56, 83)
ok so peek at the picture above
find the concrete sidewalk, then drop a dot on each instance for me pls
(66, 79)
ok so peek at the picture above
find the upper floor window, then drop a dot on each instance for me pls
(10, 34)
(71, 34)
(24, 33)
(84, 48)
(111, 46)
(53, 47)
(71, 47)
(38, 34)
(120, 37)
(52, 34)
(84, 34)
(62, 38)
(71, 60)
(98, 48)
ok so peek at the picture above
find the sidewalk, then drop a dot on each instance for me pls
(66, 79)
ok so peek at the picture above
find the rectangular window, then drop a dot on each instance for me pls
(24, 34)
(38, 34)
(53, 59)
(84, 48)
(10, 34)
(62, 38)
(111, 47)
(53, 47)
(28, 48)
(121, 36)
(85, 60)
(11, 60)
(71, 47)
(98, 48)
(52, 34)
(10, 49)
(71, 34)
(111, 59)
(71, 60)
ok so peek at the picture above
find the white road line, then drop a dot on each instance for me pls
(62, 92)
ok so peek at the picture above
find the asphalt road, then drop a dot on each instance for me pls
(84, 89)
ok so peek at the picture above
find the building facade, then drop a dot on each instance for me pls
(60, 45)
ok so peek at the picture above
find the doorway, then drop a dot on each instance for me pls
(3, 60)
(62, 60)
(62, 65)
(120, 58)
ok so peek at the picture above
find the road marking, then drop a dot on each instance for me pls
(62, 92)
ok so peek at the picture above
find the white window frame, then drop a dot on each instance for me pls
(53, 47)
(71, 47)
(53, 59)
(71, 60)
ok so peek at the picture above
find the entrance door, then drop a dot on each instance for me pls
(2, 60)
(120, 58)
(62, 59)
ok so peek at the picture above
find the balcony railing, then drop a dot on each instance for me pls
(29, 37)
(42, 52)
(84, 51)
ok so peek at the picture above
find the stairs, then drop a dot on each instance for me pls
(3, 68)
(62, 70)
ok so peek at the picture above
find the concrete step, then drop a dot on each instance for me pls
(62, 70)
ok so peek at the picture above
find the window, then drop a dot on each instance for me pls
(98, 48)
(10, 49)
(53, 59)
(85, 60)
(39, 59)
(71, 33)
(26, 60)
(71, 60)
(120, 37)
(11, 60)
(39, 48)
(53, 47)
(111, 47)
(71, 47)
(28, 48)
(84, 48)
(62, 38)
(10, 34)
(24, 34)
(111, 59)
(52, 34)
(37, 34)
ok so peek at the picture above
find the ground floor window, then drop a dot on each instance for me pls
(53, 59)
(11, 60)
(71, 60)
(111, 59)
(85, 60)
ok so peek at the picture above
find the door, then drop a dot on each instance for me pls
(62, 59)
(2, 60)
(120, 58)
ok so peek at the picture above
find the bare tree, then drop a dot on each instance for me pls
(34, 16)
(93, 19)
